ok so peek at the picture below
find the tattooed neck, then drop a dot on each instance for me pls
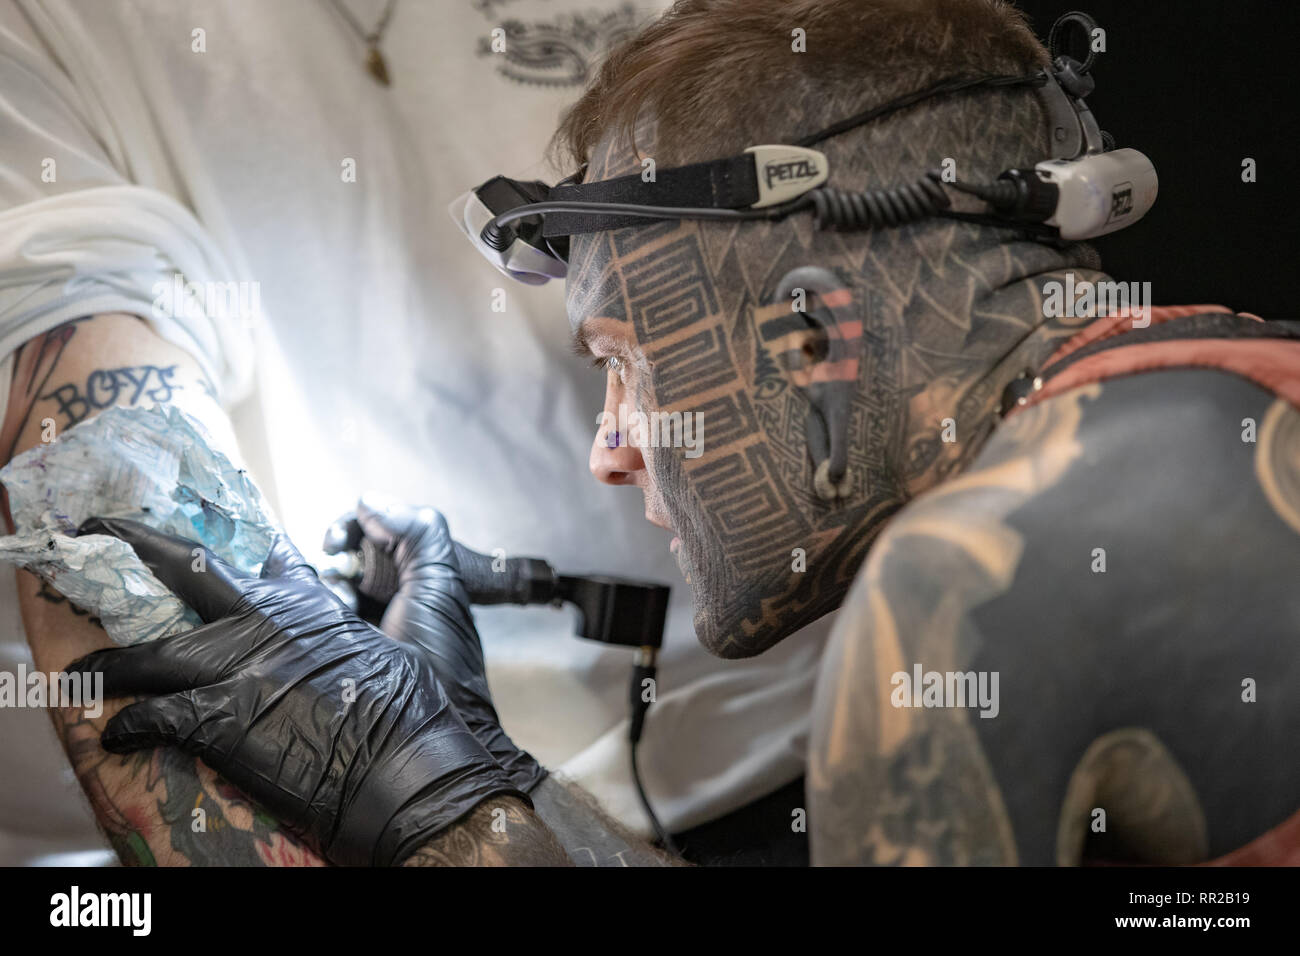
(963, 341)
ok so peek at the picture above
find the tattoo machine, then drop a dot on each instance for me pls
(611, 610)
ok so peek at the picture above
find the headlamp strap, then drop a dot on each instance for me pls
(733, 182)
(730, 183)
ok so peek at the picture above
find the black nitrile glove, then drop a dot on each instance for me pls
(431, 610)
(336, 729)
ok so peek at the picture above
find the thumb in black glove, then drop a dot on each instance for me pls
(337, 730)
(431, 611)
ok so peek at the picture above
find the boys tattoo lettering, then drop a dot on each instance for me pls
(105, 386)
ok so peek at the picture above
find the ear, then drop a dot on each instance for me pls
(818, 351)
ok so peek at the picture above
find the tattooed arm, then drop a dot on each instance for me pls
(567, 826)
(591, 837)
(1107, 603)
(156, 807)
(896, 777)
(889, 786)
(499, 832)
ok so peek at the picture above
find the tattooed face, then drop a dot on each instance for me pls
(788, 347)
(688, 320)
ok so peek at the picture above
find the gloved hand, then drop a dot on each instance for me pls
(431, 611)
(336, 729)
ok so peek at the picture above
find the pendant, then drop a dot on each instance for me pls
(377, 67)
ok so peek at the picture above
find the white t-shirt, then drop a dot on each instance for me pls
(261, 151)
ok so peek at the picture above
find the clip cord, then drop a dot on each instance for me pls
(644, 669)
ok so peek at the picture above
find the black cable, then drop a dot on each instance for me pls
(952, 84)
(644, 669)
(873, 208)
(660, 832)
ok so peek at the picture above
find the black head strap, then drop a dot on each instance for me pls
(730, 183)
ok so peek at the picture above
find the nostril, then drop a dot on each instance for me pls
(615, 477)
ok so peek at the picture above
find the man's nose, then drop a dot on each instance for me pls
(614, 460)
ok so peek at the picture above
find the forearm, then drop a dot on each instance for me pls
(589, 836)
(157, 807)
(565, 827)
(163, 808)
(498, 832)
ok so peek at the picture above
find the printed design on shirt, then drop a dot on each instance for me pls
(562, 50)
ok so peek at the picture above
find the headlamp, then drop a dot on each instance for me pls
(1085, 189)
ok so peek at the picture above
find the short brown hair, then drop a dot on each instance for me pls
(720, 75)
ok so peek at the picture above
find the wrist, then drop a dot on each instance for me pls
(519, 765)
(391, 818)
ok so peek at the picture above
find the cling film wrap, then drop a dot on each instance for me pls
(153, 464)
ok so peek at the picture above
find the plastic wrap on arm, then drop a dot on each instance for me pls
(156, 465)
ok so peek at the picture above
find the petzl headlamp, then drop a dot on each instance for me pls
(1084, 190)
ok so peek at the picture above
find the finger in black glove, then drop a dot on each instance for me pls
(431, 611)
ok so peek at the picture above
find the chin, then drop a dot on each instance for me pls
(732, 625)
(734, 621)
(743, 609)
(725, 639)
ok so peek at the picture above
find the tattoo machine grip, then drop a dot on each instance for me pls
(610, 610)
(487, 580)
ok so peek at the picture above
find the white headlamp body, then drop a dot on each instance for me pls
(1099, 192)
(519, 260)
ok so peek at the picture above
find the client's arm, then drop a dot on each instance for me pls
(588, 834)
(566, 824)
(157, 806)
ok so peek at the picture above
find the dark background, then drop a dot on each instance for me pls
(1198, 85)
